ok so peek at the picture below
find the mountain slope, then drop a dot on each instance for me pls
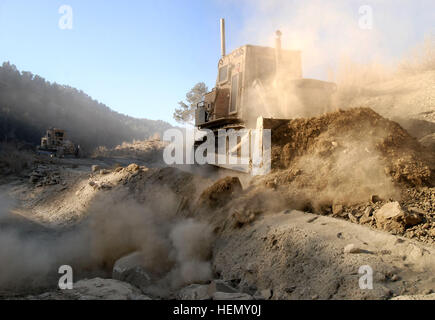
(29, 105)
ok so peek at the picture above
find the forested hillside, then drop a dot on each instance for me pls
(29, 105)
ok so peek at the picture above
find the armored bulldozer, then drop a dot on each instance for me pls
(54, 143)
(258, 88)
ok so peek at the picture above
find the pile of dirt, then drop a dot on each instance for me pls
(345, 164)
(333, 134)
(220, 192)
(147, 150)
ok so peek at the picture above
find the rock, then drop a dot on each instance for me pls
(251, 267)
(412, 219)
(243, 217)
(107, 289)
(220, 193)
(416, 211)
(395, 278)
(271, 184)
(133, 168)
(367, 216)
(220, 286)
(131, 269)
(231, 296)
(95, 168)
(391, 217)
(104, 171)
(351, 248)
(352, 218)
(105, 186)
(266, 294)
(337, 209)
(194, 292)
(290, 289)
(95, 289)
(414, 253)
(375, 199)
(119, 169)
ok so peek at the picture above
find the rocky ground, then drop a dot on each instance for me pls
(349, 190)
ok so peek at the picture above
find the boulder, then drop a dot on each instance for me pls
(251, 267)
(391, 217)
(243, 217)
(352, 218)
(95, 168)
(337, 209)
(375, 199)
(95, 289)
(133, 168)
(351, 248)
(131, 269)
(106, 289)
(194, 292)
(367, 216)
(220, 192)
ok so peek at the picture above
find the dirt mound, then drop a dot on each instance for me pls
(150, 151)
(349, 164)
(220, 192)
(357, 134)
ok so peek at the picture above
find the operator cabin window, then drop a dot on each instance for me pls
(223, 74)
(234, 92)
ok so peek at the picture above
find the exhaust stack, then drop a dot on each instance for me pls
(223, 53)
(278, 48)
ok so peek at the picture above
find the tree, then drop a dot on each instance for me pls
(186, 111)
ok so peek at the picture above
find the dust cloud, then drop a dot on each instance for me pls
(353, 57)
(349, 43)
(177, 249)
(351, 173)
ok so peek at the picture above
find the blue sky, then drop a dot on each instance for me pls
(140, 57)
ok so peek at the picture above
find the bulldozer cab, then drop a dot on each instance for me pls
(256, 81)
(238, 71)
(257, 89)
(53, 138)
(55, 143)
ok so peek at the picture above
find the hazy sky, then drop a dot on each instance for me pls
(140, 57)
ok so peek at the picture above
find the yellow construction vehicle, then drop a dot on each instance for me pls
(54, 143)
(259, 88)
